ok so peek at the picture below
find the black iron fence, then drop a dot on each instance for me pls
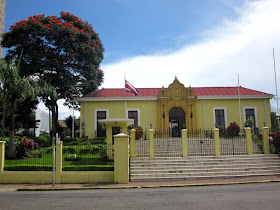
(88, 157)
(142, 144)
(167, 144)
(200, 142)
(233, 144)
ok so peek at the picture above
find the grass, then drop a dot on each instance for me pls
(89, 160)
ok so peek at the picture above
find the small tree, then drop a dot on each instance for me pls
(68, 122)
(14, 89)
(233, 129)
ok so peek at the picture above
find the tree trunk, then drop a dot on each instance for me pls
(3, 119)
(11, 153)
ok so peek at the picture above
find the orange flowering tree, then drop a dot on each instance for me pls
(63, 51)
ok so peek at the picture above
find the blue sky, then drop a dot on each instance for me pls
(135, 27)
(202, 42)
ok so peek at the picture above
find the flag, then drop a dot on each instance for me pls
(130, 88)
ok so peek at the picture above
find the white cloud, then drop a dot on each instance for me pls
(243, 46)
(63, 111)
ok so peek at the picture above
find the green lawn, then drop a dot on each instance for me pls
(88, 160)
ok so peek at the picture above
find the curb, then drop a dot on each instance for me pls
(144, 186)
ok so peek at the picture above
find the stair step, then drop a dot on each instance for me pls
(199, 177)
(203, 167)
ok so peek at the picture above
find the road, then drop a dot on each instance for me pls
(247, 196)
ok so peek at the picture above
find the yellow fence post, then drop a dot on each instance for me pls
(266, 149)
(121, 164)
(58, 162)
(184, 143)
(217, 142)
(132, 143)
(2, 155)
(249, 141)
(151, 139)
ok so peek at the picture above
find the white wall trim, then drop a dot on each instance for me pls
(236, 97)
(138, 112)
(255, 112)
(95, 117)
(225, 113)
(151, 98)
(203, 114)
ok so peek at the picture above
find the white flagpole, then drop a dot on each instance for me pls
(125, 98)
(277, 111)
(239, 106)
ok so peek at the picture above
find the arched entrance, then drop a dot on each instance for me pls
(176, 121)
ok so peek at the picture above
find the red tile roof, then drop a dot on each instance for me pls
(199, 91)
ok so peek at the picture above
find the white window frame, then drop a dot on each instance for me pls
(214, 117)
(138, 113)
(95, 117)
(255, 112)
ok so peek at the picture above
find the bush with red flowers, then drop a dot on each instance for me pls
(233, 129)
(23, 147)
(139, 133)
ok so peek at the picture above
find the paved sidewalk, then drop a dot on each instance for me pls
(188, 183)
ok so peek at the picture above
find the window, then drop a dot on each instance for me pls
(250, 114)
(100, 114)
(220, 117)
(135, 115)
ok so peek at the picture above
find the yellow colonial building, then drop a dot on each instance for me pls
(174, 108)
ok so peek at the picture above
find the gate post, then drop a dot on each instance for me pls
(266, 149)
(151, 139)
(217, 142)
(132, 143)
(58, 164)
(184, 143)
(249, 141)
(121, 159)
(2, 156)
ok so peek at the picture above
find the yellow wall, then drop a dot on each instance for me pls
(232, 108)
(116, 110)
(45, 177)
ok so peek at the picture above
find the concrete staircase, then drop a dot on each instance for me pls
(203, 167)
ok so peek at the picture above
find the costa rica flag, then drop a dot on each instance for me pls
(130, 88)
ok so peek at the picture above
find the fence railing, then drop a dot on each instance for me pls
(142, 145)
(76, 156)
(90, 157)
(201, 143)
(167, 144)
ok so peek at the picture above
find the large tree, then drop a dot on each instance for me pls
(64, 51)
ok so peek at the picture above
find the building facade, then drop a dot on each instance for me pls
(43, 124)
(175, 108)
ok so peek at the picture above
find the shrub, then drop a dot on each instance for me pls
(233, 129)
(35, 153)
(23, 146)
(84, 151)
(42, 141)
(138, 132)
(276, 141)
(72, 157)
(249, 123)
(69, 149)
